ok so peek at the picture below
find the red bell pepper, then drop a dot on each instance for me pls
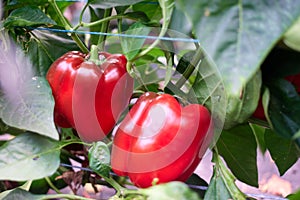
(89, 96)
(159, 140)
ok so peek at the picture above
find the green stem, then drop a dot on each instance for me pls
(161, 34)
(83, 10)
(104, 28)
(106, 19)
(190, 68)
(94, 55)
(119, 189)
(68, 26)
(52, 185)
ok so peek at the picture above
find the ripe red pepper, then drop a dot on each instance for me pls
(159, 140)
(89, 97)
(259, 113)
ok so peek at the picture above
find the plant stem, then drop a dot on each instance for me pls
(52, 185)
(94, 55)
(190, 68)
(83, 10)
(106, 19)
(68, 26)
(119, 189)
(104, 28)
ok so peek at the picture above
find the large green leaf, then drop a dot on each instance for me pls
(283, 151)
(19, 193)
(31, 108)
(239, 34)
(292, 37)
(284, 108)
(151, 9)
(179, 22)
(26, 100)
(28, 156)
(238, 148)
(131, 46)
(27, 16)
(27, 2)
(40, 48)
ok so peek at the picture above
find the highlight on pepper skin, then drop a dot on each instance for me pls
(87, 94)
(159, 139)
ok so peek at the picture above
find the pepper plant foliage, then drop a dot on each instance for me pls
(246, 55)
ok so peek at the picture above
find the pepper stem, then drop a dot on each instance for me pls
(94, 55)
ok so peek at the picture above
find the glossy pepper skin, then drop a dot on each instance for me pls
(89, 97)
(159, 140)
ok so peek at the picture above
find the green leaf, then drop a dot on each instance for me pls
(259, 133)
(241, 107)
(238, 148)
(95, 14)
(139, 16)
(27, 2)
(31, 108)
(239, 34)
(222, 185)
(208, 88)
(27, 16)
(283, 151)
(112, 3)
(4, 128)
(179, 22)
(28, 156)
(151, 9)
(131, 46)
(169, 72)
(172, 190)
(99, 158)
(291, 37)
(19, 193)
(284, 108)
(185, 61)
(40, 49)
(295, 196)
(62, 5)
(217, 189)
